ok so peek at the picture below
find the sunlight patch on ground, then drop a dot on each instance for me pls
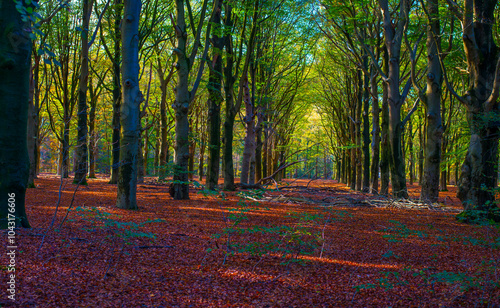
(350, 263)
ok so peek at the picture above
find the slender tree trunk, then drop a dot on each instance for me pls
(393, 35)
(434, 128)
(214, 102)
(421, 156)
(192, 153)
(265, 149)
(92, 140)
(375, 135)
(258, 149)
(410, 149)
(32, 128)
(358, 137)
(249, 149)
(145, 159)
(157, 150)
(181, 108)
(82, 129)
(384, 142)
(130, 109)
(140, 159)
(227, 150)
(202, 159)
(442, 186)
(65, 141)
(366, 127)
(117, 97)
(232, 107)
(164, 122)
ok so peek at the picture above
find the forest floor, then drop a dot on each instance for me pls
(320, 246)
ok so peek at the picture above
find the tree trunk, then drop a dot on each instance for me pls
(478, 179)
(366, 127)
(117, 97)
(201, 164)
(145, 159)
(249, 148)
(442, 167)
(434, 128)
(15, 52)
(82, 129)
(421, 156)
(258, 154)
(410, 149)
(92, 139)
(227, 150)
(32, 126)
(65, 142)
(358, 138)
(384, 141)
(181, 108)
(129, 111)
(192, 153)
(140, 158)
(393, 35)
(375, 135)
(214, 87)
(163, 151)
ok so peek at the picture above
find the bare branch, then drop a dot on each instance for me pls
(98, 24)
(455, 9)
(408, 116)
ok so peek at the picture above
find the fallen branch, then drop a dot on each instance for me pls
(278, 170)
(154, 246)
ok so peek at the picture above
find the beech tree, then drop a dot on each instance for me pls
(184, 96)
(81, 146)
(129, 110)
(215, 99)
(479, 174)
(15, 52)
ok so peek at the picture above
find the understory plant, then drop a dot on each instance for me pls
(116, 231)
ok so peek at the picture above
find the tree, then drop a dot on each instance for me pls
(215, 99)
(129, 111)
(183, 96)
(479, 174)
(15, 50)
(115, 58)
(393, 35)
(81, 146)
(431, 99)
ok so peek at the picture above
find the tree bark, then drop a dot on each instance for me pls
(375, 135)
(181, 108)
(82, 129)
(15, 55)
(214, 87)
(358, 138)
(393, 35)
(478, 178)
(366, 127)
(129, 111)
(117, 97)
(33, 133)
(384, 141)
(249, 148)
(434, 128)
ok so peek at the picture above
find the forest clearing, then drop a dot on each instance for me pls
(346, 251)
